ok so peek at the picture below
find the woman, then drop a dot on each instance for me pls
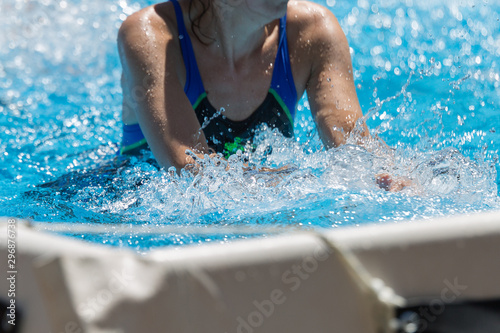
(227, 66)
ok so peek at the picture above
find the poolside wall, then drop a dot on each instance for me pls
(289, 283)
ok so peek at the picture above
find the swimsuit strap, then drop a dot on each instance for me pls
(282, 83)
(194, 85)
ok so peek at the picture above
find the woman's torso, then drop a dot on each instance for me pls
(239, 87)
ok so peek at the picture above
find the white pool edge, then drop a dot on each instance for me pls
(65, 284)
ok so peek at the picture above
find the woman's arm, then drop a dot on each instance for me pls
(330, 87)
(331, 90)
(153, 91)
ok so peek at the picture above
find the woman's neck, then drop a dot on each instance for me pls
(234, 32)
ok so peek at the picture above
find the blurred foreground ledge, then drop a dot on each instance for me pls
(418, 276)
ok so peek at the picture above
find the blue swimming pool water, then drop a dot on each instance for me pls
(428, 79)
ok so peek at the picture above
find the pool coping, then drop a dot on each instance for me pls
(438, 261)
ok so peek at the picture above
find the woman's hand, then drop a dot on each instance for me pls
(394, 184)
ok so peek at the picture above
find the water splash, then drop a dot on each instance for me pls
(426, 72)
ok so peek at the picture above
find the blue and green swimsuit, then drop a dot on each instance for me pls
(224, 135)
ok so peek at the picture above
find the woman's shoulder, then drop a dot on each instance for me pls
(152, 24)
(312, 33)
(312, 22)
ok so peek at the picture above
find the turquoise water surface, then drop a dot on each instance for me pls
(428, 79)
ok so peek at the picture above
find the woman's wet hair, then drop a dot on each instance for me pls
(196, 21)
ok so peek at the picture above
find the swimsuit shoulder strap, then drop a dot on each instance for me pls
(194, 85)
(282, 83)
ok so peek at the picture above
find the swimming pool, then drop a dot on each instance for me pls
(428, 80)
